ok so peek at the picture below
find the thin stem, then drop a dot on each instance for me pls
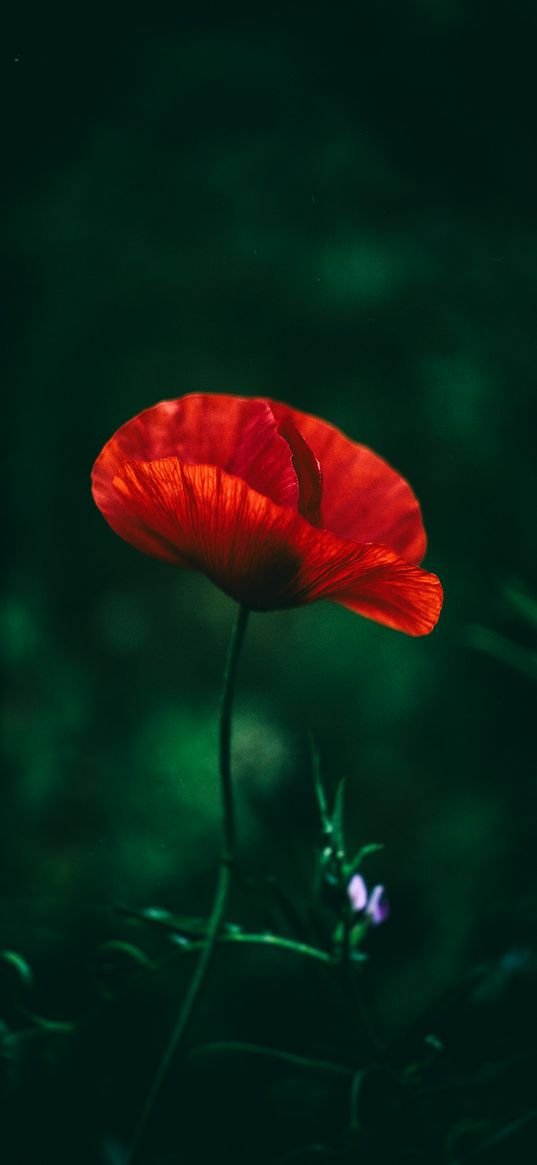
(243, 938)
(278, 1055)
(345, 951)
(226, 788)
(224, 877)
(231, 937)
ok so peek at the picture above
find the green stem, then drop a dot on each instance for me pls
(243, 938)
(224, 877)
(226, 787)
(240, 937)
(278, 1055)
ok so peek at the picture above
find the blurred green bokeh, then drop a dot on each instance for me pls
(341, 215)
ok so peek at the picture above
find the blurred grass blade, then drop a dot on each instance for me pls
(514, 655)
(337, 819)
(522, 604)
(372, 848)
(320, 795)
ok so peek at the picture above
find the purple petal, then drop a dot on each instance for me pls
(357, 891)
(378, 907)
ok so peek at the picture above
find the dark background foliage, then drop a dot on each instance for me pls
(337, 210)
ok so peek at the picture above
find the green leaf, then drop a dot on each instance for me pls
(319, 789)
(372, 848)
(337, 818)
(522, 603)
(115, 962)
(515, 655)
(181, 924)
(16, 975)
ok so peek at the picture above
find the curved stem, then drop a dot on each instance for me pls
(278, 1055)
(226, 788)
(244, 938)
(224, 877)
(264, 938)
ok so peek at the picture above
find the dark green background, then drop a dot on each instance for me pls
(336, 209)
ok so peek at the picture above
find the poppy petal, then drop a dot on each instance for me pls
(371, 580)
(308, 472)
(364, 499)
(264, 555)
(238, 434)
(209, 520)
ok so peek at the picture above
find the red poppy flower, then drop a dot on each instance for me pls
(277, 507)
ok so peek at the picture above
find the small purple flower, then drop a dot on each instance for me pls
(374, 906)
(357, 891)
(378, 907)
